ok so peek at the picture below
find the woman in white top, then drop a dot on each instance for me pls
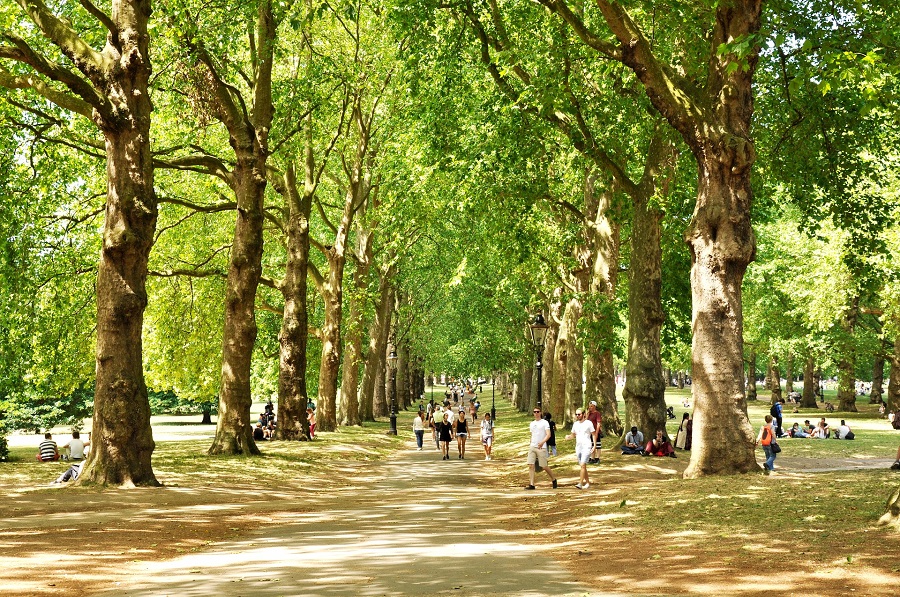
(419, 428)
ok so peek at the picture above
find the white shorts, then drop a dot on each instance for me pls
(487, 440)
(583, 455)
(538, 455)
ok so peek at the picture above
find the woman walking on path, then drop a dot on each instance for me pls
(445, 428)
(419, 428)
(461, 428)
(766, 433)
(487, 435)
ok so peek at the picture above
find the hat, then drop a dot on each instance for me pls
(593, 403)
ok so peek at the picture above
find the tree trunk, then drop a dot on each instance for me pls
(893, 401)
(349, 411)
(292, 339)
(556, 362)
(248, 136)
(809, 384)
(789, 373)
(601, 386)
(877, 379)
(379, 330)
(774, 377)
(751, 376)
(550, 374)
(402, 386)
(644, 391)
(122, 440)
(847, 360)
(207, 415)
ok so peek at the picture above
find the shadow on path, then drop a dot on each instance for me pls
(412, 526)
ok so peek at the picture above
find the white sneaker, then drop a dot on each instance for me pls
(586, 485)
(487, 457)
(578, 486)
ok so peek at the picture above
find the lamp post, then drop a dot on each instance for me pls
(538, 330)
(392, 363)
(493, 385)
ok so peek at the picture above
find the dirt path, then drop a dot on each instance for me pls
(416, 526)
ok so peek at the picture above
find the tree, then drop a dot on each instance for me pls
(110, 88)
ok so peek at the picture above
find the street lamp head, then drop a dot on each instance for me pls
(392, 360)
(538, 330)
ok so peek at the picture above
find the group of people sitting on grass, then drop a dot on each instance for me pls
(659, 445)
(821, 430)
(48, 451)
(267, 423)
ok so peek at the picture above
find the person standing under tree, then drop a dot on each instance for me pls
(537, 448)
(766, 434)
(585, 437)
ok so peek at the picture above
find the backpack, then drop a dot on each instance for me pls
(896, 422)
(766, 436)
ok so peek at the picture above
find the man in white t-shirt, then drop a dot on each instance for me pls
(585, 435)
(76, 446)
(537, 448)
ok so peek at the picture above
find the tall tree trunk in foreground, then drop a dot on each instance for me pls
(809, 383)
(713, 117)
(877, 378)
(554, 365)
(248, 135)
(294, 334)
(644, 391)
(109, 88)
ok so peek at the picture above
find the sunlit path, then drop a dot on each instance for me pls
(418, 526)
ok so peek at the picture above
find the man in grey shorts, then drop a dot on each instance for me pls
(537, 448)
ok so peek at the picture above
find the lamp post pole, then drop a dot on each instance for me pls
(392, 362)
(493, 386)
(538, 334)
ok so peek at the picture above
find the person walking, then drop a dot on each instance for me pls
(487, 435)
(461, 430)
(594, 416)
(419, 428)
(537, 448)
(445, 433)
(585, 437)
(765, 437)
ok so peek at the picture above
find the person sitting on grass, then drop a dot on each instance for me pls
(659, 446)
(821, 431)
(634, 442)
(47, 451)
(258, 433)
(843, 432)
(797, 431)
(896, 465)
(71, 474)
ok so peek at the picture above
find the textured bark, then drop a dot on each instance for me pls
(348, 413)
(402, 375)
(751, 376)
(644, 390)
(294, 334)
(847, 361)
(877, 379)
(554, 366)
(603, 238)
(526, 387)
(574, 389)
(372, 402)
(550, 375)
(893, 396)
(809, 384)
(891, 517)
(122, 440)
(774, 377)
(248, 136)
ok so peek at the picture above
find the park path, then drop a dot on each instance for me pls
(412, 525)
